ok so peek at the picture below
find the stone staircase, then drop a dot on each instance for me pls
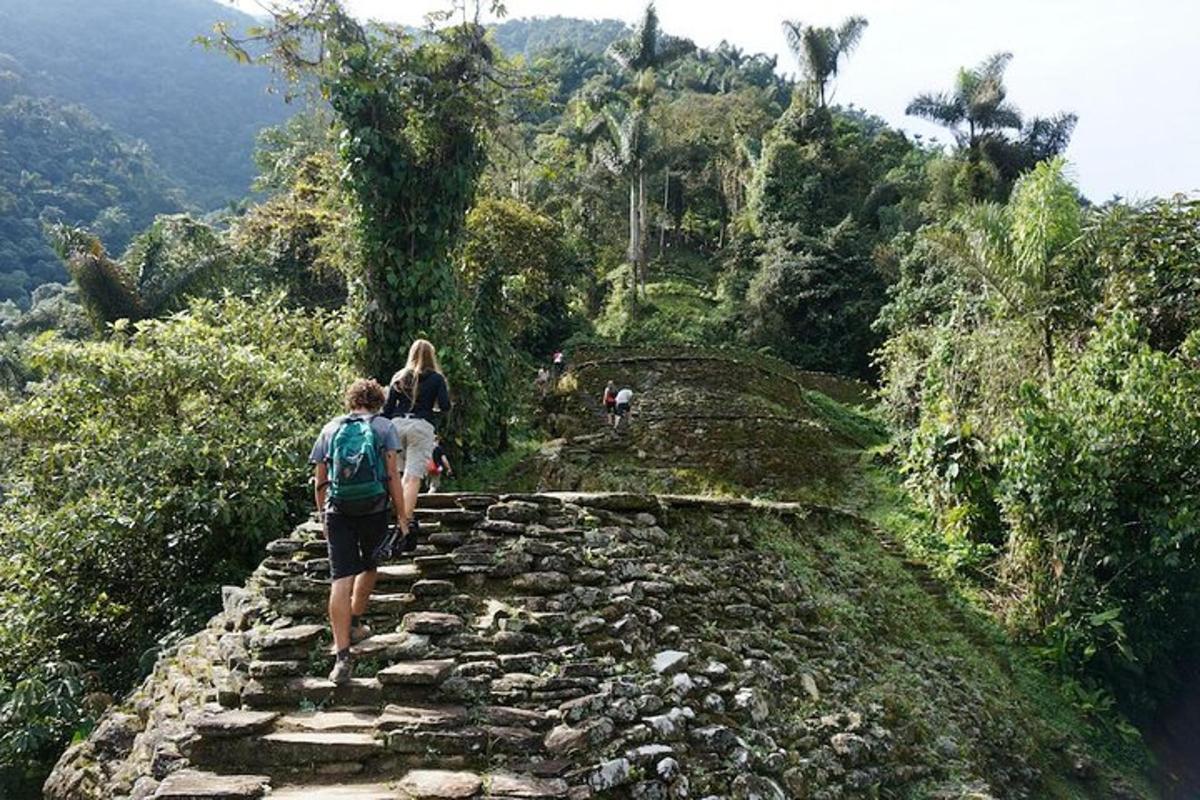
(522, 652)
(573, 646)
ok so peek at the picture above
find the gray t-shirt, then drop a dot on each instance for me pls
(385, 435)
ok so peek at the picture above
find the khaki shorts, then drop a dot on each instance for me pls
(416, 444)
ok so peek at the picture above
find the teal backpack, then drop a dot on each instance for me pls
(356, 468)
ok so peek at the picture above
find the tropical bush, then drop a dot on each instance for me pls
(141, 473)
(1101, 490)
(1041, 371)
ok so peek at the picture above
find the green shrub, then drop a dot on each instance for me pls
(1103, 497)
(145, 470)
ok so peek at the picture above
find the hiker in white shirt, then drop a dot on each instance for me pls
(624, 399)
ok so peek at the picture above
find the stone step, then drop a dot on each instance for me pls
(233, 724)
(301, 748)
(292, 692)
(438, 500)
(417, 673)
(420, 718)
(398, 576)
(291, 751)
(191, 784)
(340, 791)
(448, 518)
(340, 721)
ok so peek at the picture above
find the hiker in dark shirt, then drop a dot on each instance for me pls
(415, 394)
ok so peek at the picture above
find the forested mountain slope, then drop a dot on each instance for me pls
(58, 163)
(619, 645)
(133, 64)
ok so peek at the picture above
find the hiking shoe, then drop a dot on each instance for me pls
(341, 673)
(409, 542)
(360, 632)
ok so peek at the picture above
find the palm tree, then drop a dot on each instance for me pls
(622, 145)
(978, 101)
(647, 50)
(173, 259)
(1019, 250)
(820, 49)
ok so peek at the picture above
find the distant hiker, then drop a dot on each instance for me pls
(438, 465)
(354, 465)
(624, 399)
(558, 364)
(610, 401)
(414, 394)
(542, 381)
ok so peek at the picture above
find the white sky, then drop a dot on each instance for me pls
(1129, 68)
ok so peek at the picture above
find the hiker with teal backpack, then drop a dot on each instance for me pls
(354, 464)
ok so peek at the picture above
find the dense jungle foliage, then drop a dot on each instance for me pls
(558, 182)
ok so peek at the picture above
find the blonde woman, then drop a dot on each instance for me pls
(415, 393)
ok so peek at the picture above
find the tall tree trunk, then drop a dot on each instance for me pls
(1048, 348)
(635, 234)
(662, 229)
(642, 225)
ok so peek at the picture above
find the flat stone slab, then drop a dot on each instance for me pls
(303, 747)
(432, 587)
(516, 717)
(396, 717)
(229, 724)
(433, 784)
(193, 785)
(541, 582)
(403, 645)
(404, 573)
(327, 722)
(295, 636)
(417, 673)
(448, 516)
(508, 785)
(365, 791)
(434, 623)
(288, 693)
(668, 662)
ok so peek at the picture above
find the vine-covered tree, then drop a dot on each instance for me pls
(413, 111)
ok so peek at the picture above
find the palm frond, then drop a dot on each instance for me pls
(1047, 137)
(942, 108)
(1004, 116)
(793, 31)
(849, 35)
(105, 288)
(624, 52)
(994, 66)
(1046, 220)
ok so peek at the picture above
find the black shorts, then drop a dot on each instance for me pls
(610, 406)
(352, 542)
(622, 409)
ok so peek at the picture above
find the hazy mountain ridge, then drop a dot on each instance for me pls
(133, 64)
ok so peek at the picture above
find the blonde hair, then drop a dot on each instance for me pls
(422, 358)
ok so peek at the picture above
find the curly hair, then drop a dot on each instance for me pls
(364, 393)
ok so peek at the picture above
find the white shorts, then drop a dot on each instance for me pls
(416, 444)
